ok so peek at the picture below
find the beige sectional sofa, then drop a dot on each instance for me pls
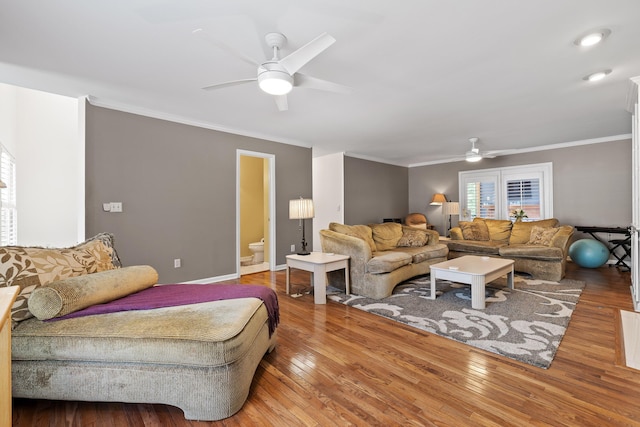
(539, 248)
(383, 255)
(200, 357)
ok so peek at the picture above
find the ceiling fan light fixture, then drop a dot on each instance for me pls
(472, 156)
(275, 82)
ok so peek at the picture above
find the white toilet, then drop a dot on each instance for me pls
(257, 248)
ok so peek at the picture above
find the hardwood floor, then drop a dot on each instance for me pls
(336, 365)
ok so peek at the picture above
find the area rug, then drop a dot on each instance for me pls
(526, 323)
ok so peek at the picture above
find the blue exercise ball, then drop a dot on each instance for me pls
(589, 253)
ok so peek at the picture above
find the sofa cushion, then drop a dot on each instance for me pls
(539, 252)
(32, 267)
(75, 293)
(542, 236)
(386, 262)
(425, 253)
(521, 231)
(386, 235)
(482, 247)
(215, 333)
(413, 238)
(499, 229)
(476, 230)
(360, 231)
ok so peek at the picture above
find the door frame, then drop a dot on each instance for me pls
(272, 205)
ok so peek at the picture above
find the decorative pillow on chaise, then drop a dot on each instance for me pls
(75, 293)
(32, 267)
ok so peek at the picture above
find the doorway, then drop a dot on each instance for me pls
(255, 208)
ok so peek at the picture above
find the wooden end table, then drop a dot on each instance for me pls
(319, 264)
(473, 270)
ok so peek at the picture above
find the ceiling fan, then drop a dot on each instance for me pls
(278, 76)
(474, 155)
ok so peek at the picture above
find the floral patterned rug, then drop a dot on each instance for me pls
(525, 324)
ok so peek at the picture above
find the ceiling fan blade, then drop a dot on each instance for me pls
(297, 59)
(207, 37)
(302, 80)
(281, 102)
(227, 84)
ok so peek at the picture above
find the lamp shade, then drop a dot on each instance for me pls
(451, 208)
(438, 199)
(301, 208)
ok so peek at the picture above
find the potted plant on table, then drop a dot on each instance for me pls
(518, 215)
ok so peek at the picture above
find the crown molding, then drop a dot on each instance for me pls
(154, 114)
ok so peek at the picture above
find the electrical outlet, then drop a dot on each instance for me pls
(116, 207)
(293, 248)
(177, 263)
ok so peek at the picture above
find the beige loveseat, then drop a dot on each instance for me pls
(200, 357)
(539, 248)
(383, 255)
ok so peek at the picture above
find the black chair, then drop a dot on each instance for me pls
(625, 244)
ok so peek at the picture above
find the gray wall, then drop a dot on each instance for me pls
(177, 184)
(591, 183)
(374, 191)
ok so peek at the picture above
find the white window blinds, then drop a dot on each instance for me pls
(524, 194)
(496, 193)
(481, 199)
(8, 212)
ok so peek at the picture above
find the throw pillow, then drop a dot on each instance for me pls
(32, 267)
(542, 236)
(499, 229)
(476, 230)
(521, 231)
(75, 293)
(360, 231)
(413, 238)
(386, 235)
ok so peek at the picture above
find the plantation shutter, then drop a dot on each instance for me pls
(8, 212)
(480, 196)
(496, 193)
(524, 194)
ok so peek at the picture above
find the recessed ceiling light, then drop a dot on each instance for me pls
(592, 37)
(599, 75)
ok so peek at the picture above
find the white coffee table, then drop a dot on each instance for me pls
(473, 270)
(319, 264)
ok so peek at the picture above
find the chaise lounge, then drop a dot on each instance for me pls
(200, 357)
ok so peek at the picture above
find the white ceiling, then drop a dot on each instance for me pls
(426, 74)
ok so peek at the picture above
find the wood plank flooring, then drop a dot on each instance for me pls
(336, 365)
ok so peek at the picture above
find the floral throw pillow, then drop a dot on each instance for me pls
(413, 238)
(32, 267)
(542, 235)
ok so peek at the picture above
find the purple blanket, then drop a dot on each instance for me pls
(173, 295)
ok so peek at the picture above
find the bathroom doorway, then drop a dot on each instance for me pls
(255, 190)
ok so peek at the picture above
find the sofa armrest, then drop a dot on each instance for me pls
(563, 237)
(338, 243)
(456, 233)
(434, 237)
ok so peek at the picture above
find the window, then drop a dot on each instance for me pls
(495, 193)
(8, 212)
